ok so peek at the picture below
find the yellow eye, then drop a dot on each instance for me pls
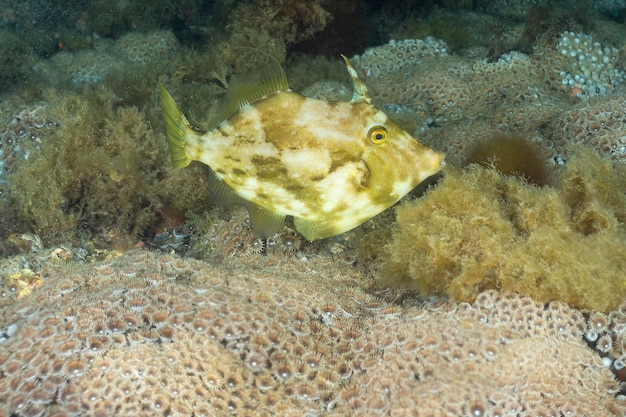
(377, 134)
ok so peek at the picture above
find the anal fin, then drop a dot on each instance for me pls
(264, 223)
(221, 193)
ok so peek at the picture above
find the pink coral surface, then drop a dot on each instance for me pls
(154, 334)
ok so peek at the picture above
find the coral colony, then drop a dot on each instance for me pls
(592, 68)
(154, 334)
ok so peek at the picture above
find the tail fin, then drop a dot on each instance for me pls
(176, 125)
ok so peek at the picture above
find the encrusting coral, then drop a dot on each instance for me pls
(154, 334)
(598, 123)
(479, 230)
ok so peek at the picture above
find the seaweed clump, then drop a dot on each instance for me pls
(511, 155)
(103, 179)
(270, 27)
(482, 230)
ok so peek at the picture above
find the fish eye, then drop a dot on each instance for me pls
(377, 134)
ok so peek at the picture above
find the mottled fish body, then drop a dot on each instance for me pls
(330, 165)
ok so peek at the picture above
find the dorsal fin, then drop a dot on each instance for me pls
(245, 90)
(360, 95)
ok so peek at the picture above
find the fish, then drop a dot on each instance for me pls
(330, 165)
